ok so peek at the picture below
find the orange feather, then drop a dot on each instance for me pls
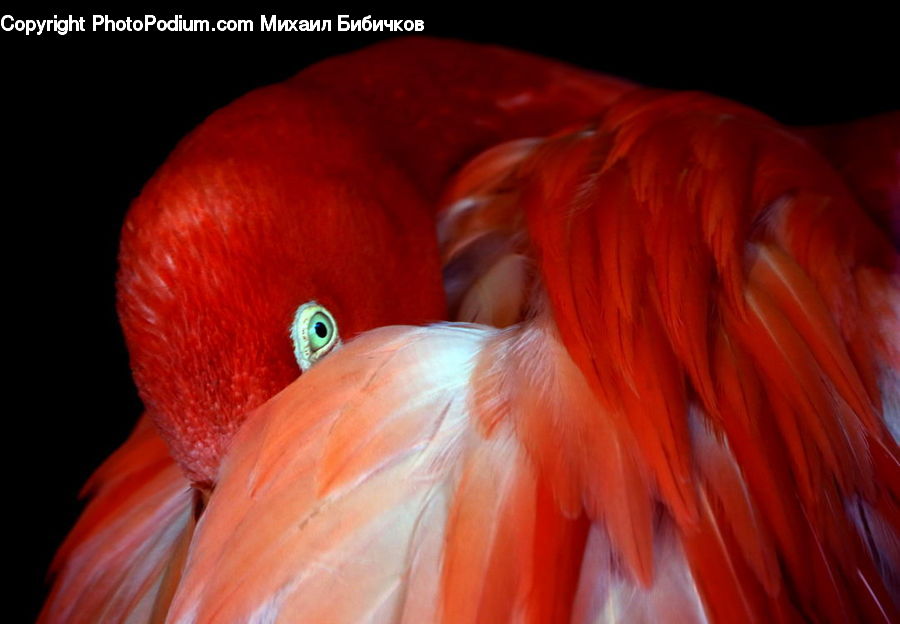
(685, 410)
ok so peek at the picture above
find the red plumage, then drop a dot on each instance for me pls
(686, 415)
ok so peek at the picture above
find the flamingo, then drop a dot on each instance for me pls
(670, 393)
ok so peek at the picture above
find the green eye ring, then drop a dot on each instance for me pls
(314, 333)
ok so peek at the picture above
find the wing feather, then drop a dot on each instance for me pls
(701, 264)
(123, 559)
(368, 482)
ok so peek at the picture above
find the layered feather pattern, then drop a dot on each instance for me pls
(122, 561)
(678, 399)
(369, 480)
(726, 298)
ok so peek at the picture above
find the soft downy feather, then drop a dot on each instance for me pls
(367, 492)
(391, 483)
(122, 561)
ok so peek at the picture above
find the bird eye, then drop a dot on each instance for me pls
(314, 334)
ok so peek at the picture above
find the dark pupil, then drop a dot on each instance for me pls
(320, 329)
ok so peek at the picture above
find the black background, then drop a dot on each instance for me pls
(88, 117)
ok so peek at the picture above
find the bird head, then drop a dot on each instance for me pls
(272, 203)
